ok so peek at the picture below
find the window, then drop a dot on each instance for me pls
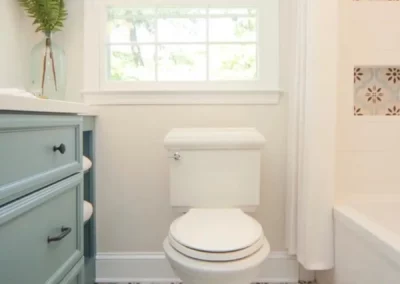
(149, 47)
(182, 44)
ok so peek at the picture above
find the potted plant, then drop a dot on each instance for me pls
(47, 59)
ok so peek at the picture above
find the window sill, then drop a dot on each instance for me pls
(267, 97)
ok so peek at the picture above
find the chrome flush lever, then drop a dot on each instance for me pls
(176, 156)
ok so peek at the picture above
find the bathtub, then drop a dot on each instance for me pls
(367, 241)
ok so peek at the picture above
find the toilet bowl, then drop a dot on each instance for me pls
(210, 246)
(213, 175)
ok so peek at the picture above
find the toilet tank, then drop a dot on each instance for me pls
(214, 167)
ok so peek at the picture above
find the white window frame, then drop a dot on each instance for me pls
(265, 90)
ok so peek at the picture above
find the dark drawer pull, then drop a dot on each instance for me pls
(60, 148)
(64, 232)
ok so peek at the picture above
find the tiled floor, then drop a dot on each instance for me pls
(300, 282)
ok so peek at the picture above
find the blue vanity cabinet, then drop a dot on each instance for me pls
(41, 199)
(76, 275)
(37, 150)
(90, 196)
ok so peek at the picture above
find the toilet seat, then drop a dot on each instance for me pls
(213, 256)
(216, 235)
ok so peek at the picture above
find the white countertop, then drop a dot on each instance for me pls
(15, 103)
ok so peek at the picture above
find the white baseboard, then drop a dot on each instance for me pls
(154, 267)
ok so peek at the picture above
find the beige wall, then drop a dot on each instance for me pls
(325, 277)
(72, 40)
(132, 171)
(17, 37)
(10, 63)
(368, 147)
(132, 174)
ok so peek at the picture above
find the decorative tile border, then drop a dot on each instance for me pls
(377, 91)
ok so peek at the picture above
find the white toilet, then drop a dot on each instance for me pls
(215, 178)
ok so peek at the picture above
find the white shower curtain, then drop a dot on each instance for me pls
(312, 125)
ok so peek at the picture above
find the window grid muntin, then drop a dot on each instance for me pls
(207, 43)
(156, 47)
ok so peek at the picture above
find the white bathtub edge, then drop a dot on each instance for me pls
(382, 240)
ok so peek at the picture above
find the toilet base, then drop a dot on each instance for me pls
(223, 279)
(192, 271)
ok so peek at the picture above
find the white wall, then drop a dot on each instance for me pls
(17, 37)
(132, 171)
(72, 40)
(132, 190)
(368, 147)
(10, 45)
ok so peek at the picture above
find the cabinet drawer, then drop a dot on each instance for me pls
(76, 275)
(28, 158)
(33, 247)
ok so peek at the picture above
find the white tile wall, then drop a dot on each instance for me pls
(367, 146)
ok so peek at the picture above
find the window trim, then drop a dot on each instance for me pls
(113, 97)
(94, 30)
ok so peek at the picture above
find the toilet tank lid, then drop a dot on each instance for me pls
(214, 138)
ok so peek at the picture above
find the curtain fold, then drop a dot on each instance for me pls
(316, 85)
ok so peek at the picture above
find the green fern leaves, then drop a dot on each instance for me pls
(49, 15)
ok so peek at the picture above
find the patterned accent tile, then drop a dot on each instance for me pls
(377, 91)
